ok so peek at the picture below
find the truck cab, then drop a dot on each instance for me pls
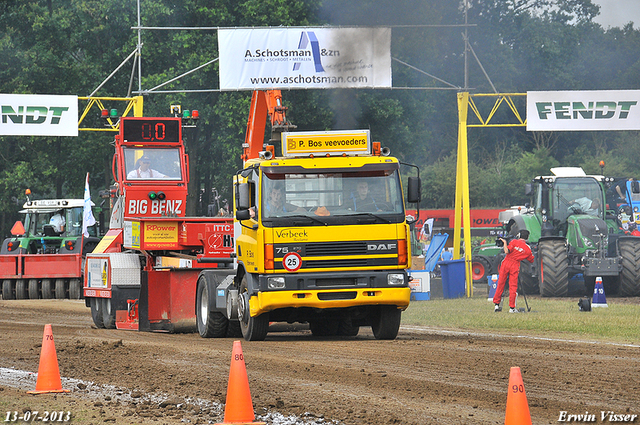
(324, 237)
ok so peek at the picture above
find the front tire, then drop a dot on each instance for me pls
(385, 323)
(108, 313)
(211, 324)
(253, 328)
(553, 273)
(96, 312)
(630, 276)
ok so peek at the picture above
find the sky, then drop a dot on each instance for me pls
(617, 13)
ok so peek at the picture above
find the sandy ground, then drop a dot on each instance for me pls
(425, 376)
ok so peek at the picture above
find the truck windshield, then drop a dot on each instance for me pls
(577, 196)
(332, 194)
(152, 164)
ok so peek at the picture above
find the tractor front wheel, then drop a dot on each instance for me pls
(553, 271)
(630, 276)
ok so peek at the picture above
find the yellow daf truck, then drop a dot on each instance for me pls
(321, 237)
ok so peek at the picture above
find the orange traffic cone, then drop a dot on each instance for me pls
(48, 372)
(239, 407)
(517, 406)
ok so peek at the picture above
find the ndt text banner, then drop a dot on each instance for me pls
(38, 115)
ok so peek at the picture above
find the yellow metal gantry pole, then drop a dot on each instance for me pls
(462, 207)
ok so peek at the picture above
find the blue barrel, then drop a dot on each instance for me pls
(453, 278)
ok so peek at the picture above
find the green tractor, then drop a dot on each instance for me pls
(44, 258)
(572, 232)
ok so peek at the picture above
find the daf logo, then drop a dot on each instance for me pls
(381, 247)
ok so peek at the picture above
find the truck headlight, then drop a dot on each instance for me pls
(587, 242)
(395, 279)
(275, 282)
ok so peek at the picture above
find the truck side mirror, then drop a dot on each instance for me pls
(243, 214)
(528, 189)
(243, 196)
(413, 189)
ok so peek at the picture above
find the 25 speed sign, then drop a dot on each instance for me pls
(292, 262)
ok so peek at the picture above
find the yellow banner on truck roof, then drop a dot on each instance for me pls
(305, 143)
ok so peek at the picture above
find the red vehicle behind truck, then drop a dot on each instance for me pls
(143, 273)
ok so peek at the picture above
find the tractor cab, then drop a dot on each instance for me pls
(42, 233)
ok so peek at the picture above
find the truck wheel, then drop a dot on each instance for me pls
(480, 269)
(233, 330)
(34, 291)
(630, 276)
(347, 328)
(8, 290)
(385, 322)
(75, 289)
(108, 313)
(211, 324)
(253, 328)
(553, 273)
(96, 312)
(21, 289)
(47, 289)
(61, 290)
(324, 327)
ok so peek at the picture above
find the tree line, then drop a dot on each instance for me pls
(71, 46)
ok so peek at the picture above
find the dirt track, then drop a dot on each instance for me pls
(425, 376)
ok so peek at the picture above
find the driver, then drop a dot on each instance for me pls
(276, 204)
(362, 200)
(144, 171)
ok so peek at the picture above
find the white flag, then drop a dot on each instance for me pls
(87, 214)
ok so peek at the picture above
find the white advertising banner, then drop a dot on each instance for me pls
(583, 110)
(38, 115)
(310, 58)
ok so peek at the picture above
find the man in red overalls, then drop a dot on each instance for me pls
(516, 251)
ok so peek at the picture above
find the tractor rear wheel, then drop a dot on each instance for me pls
(480, 269)
(8, 290)
(553, 273)
(527, 279)
(630, 276)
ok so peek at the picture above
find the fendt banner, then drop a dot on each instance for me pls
(309, 58)
(38, 115)
(583, 110)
